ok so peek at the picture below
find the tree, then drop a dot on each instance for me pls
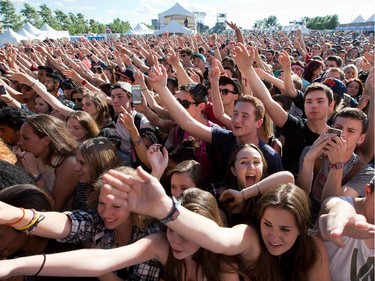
(96, 27)
(31, 15)
(63, 20)
(320, 23)
(47, 17)
(119, 26)
(10, 19)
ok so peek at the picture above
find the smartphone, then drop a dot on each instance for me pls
(3, 91)
(338, 132)
(136, 94)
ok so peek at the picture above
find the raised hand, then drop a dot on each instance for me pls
(244, 58)
(332, 227)
(143, 195)
(284, 60)
(158, 159)
(157, 76)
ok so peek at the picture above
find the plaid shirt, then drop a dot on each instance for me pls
(86, 225)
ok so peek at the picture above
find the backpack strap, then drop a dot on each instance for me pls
(137, 120)
(359, 165)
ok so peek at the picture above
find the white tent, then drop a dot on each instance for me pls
(176, 11)
(53, 33)
(9, 36)
(291, 27)
(27, 34)
(34, 31)
(173, 27)
(358, 19)
(140, 29)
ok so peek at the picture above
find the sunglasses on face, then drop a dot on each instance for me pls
(186, 104)
(225, 92)
(76, 100)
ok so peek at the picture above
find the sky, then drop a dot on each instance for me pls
(242, 12)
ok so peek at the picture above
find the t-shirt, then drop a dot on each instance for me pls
(355, 262)
(209, 112)
(223, 142)
(297, 136)
(357, 182)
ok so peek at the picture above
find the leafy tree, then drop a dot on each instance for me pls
(48, 17)
(31, 15)
(63, 20)
(271, 21)
(96, 27)
(320, 23)
(10, 19)
(119, 26)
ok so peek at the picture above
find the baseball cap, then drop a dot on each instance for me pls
(336, 85)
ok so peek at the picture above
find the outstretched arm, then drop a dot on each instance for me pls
(89, 262)
(147, 196)
(244, 60)
(158, 80)
(339, 218)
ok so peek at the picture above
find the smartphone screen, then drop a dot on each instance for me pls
(136, 94)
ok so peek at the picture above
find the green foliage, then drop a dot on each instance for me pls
(271, 21)
(321, 23)
(31, 15)
(10, 19)
(48, 17)
(119, 26)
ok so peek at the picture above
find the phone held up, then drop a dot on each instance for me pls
(136, 94)
(338, 132)
(3, 91)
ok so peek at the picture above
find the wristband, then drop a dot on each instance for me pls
(37, 177)
(336, 166)
(174, 213)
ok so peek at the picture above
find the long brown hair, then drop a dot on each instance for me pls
(211, 264)
(62, 142)
(295, 264)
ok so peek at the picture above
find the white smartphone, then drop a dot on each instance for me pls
(136, 94)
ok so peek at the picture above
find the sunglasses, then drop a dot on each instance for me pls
(226, 92)
(76, 100)
(186, 104)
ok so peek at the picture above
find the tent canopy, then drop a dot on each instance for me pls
(140, 29)
(173, 27)
(9, 36)
(27, 34)
(177, 9)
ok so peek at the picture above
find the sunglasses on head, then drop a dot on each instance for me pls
(76, 100)
(226, 92)
(186, 104)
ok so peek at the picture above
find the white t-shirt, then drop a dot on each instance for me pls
(354, 263)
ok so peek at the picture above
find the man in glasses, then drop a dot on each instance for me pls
(193, 97)
(229, 89)
(246, 119)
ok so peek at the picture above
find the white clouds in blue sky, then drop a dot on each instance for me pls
(243, 12)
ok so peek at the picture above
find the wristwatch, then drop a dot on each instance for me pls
(174, 213)
(336, 166)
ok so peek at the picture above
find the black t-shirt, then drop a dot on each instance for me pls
(297, 136)
(223, 142)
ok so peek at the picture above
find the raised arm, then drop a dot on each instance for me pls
(147, 196)
(158, 80)
(244, 60)
(285, 62)
(40, 89)
(214, 76)
(89, 262)
(366, 149)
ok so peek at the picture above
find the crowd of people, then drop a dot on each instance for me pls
(220, 157)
